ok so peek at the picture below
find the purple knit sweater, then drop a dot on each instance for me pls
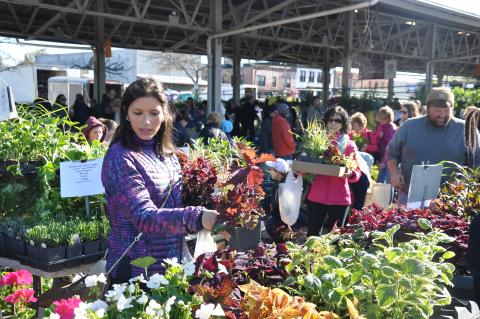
(136, 185)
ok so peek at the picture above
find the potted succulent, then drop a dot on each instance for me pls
(239, 200)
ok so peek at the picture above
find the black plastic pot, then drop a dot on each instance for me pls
(2, 245)
(33, 256)
(103, 244)
(74, 252)
(49, 257)
(245, 239)
(14, 247)
(91, 248)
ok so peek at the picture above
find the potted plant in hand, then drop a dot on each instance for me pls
(321, 155)
(199, 179)
(239, 200)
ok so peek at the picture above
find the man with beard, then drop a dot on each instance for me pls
(435, 137)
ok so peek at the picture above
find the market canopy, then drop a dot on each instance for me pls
(412, 32)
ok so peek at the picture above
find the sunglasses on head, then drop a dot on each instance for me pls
(339, 121)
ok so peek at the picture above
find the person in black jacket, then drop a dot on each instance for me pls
(248, 115)
(181, 138)
(212, 128)
(80, 110)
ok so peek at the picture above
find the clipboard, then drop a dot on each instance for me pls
(424, 185)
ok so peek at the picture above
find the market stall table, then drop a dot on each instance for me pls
(38, 274)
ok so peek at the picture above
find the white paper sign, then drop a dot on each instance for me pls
(81, 178)
(424, 185)
(7, 103)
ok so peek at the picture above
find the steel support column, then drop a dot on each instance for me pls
(347, 54)
(326, 79)
(214, 48)
(236, 79)
(99, 55)
(430, 67)
(390, 90)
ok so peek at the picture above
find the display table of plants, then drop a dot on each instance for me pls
(37, 226)
(333, 276)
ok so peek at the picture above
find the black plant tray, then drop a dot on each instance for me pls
(59, 264)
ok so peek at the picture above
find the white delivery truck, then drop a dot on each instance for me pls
(30, 81)
(71, 86)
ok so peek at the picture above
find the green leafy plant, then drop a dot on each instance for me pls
(315, 140)
(389, 281)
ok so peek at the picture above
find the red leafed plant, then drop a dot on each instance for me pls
(199, 179)
(241, 193)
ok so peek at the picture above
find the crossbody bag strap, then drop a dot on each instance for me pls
(139, 236)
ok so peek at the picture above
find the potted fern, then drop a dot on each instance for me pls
(90, 235)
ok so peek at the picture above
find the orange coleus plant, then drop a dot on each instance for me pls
(265, 303)
(239, 200)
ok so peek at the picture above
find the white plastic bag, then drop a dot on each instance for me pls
(205, 243)
(290, 198)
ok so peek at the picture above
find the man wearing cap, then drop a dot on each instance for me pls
(282, 137)
(435, 137)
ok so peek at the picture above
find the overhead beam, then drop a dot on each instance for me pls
(72, 8)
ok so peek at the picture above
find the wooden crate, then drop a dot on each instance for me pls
(318, 169)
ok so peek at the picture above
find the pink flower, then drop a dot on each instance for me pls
(65, 308)
(24, 277)
(21, 277)
(21, 295)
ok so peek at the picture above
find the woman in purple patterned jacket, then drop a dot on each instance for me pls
(142, 180)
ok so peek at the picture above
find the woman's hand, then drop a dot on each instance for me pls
(348, 173)
(209, 217)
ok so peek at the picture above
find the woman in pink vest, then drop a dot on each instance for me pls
(329, 196)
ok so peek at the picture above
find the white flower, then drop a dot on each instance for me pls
(93, 280)
(124, 303)
(54, 316)
(81, 311)
(139, 278)
(131, 289)
(168, 305)
(152, 308)
(189, 268)
(99, 307)
(205, 311)
(171, 261)
(156, 280)
(143, 300)
(116, 293)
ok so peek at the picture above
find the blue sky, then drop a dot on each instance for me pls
(12, 52)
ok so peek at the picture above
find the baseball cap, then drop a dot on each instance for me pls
(440, 95)
(282, 108)
(280, 165)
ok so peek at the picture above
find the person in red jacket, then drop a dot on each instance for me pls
(282, 137)
(329, 196)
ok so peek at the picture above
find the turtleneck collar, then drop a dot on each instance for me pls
(144, 144)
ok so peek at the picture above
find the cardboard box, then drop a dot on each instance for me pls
(318, 169)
